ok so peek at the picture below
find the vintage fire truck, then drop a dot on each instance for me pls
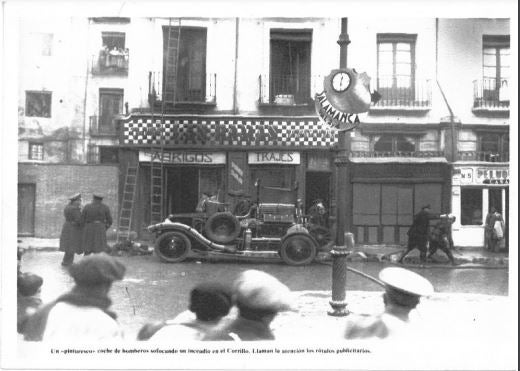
(252, 230)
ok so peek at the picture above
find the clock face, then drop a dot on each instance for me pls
(341, 81)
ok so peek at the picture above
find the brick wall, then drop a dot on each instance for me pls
(56, 183)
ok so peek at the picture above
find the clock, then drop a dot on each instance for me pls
(340, 81)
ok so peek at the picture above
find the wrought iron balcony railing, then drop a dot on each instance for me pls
(486, 156)
(396, 94)
(194, 89)
(102, 126)
(491, 94)
(288, 90)
(403, 154)
(111, 62)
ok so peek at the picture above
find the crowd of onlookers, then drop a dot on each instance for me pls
(242, 311)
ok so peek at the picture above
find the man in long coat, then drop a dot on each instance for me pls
(418, 232)
(96, 219)
(71, 232)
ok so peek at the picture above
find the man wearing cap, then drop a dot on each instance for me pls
(209, 303)
(97, 219)
(418, 233)
(403, 290)
(259, 297)
(71, 232)
(441, 237)
(81, 314)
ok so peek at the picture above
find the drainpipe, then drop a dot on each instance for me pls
(85, 117)
(235, 105)
(452, 156)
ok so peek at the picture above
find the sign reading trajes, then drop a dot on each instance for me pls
(184, 157)
(274, 157)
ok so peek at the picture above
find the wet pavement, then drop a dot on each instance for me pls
(153, 290)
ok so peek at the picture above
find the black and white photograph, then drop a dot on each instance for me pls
(259, 185)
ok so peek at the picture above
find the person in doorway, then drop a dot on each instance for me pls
(201, 205)
(418, 233)
(441, 237)
(209, 303)
(259, 297)
(403, 291)
(494, 229)
(96, 219)
(72, 231)
(82, 314)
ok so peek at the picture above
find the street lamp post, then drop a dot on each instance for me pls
(344, 240)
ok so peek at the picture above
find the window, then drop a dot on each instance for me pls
(496, 66)
(113, 40)
(108, 155)
(471, 206)
(493, 147)
(185, 74)
(35, 151)
(110, 106)
(395, 66)
(38, 103)
(394, 143)
(290, 68)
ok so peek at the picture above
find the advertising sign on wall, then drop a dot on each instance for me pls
(274, 157)
(184, 157)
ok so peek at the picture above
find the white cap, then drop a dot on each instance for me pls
(259, 290)
(407, 281)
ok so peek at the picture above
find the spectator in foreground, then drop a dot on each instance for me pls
(403, 290)
(209, 303)
(259, 297)
(83, 313)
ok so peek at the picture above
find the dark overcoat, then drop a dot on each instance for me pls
(418, 232)
(96, 219)
(72, 231)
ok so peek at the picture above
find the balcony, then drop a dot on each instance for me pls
(416, 98)
(485, 156)
(195, 91)
(288, 90)
(102, 126)
(111, 62)
(488, 96)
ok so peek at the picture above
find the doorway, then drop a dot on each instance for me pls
(317, 185)
(26, 207)
(182, 189)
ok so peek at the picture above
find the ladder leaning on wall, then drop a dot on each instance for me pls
(124, 225)
(173, 36)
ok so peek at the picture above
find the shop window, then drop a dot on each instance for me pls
(108, 155)
(394, 143)
(184, 75)
(493, 147)
(290, 69)
(471, 206)
(395, 67)
(35, 151)
(496, 67)
(280, 178)
(38, 103)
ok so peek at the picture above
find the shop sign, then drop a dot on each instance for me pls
(466, 175)
(479, 175)
(184, 157)
(274, 157)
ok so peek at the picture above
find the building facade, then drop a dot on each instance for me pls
(212, 105)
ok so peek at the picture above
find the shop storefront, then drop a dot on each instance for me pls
(475, 190)
(387, 195)
(225, 157)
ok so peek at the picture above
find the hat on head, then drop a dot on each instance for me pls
(97, 269)
(97, 196)
(403, 284)
(258, 290)
(75, 197)
(210, 300)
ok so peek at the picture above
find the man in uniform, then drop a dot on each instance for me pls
(403, 290)
(96, 219)
(71, 233)
(441, 237)
(418, 233)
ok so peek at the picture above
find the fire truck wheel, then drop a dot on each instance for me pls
(298, 249)
(222, 227)
(172, 247)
